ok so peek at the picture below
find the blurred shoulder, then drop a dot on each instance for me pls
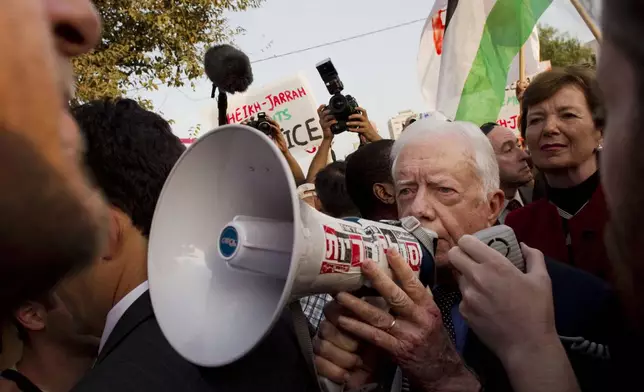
(8, 386)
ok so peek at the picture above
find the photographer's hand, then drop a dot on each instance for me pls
(326, 121)
(278, 136)
(280, 141)
(359, 123)
(321, 157)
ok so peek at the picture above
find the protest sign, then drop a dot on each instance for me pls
(291, 103)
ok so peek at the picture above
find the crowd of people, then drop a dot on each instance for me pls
(80, 186)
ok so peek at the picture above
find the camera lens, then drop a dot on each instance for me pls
(338, 103)
(264, 127)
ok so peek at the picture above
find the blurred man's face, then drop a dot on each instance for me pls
(437, 182)
(85, 296)
(63, 328)
(512, 160)
(38, 39)
(52, 322)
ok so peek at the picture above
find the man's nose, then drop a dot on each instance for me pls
(421, 208)
(76, 25)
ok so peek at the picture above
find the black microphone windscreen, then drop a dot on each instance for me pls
(228, 68)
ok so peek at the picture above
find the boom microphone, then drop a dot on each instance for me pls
(228, 69)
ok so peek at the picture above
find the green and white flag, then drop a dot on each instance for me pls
(465, 68)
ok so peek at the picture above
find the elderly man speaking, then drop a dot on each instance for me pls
(485, 324)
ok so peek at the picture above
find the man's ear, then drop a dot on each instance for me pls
(385, 193)
(495, 202)
(32, 316)
(117, 223)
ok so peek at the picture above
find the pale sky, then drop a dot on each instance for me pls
(378, 70)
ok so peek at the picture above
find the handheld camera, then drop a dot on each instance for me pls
(261, 124)
(341, 106)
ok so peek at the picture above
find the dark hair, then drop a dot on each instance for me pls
(369, 165)
(549, 83)
(130, 152)
(330, 186)
(488, 127)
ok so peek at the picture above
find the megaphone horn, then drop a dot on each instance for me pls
(231, 245)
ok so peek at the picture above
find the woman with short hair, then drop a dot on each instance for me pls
(563, 118)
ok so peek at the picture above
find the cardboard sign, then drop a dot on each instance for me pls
(292, 104)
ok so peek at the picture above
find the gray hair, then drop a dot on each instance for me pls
(479, 147)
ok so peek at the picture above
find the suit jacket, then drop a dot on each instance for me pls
(526, 193)
(584, 306)
(138, 358)
(540, 226)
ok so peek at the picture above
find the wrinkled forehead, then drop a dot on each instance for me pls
(440, 155)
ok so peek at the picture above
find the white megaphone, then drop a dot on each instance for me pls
(231, 245)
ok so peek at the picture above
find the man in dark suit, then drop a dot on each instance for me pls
(130, 152)
(514, 171)
(446, 175)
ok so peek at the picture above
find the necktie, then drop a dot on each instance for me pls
(514, 204)
(446, 300)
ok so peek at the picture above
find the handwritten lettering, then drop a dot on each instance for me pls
(289, 140)
(269, 104)
(298, 142)
(281, 98)
(282, 115)
(511, 122)
(512, 100)
(310, 130)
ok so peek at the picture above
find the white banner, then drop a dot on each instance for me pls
(291, 103)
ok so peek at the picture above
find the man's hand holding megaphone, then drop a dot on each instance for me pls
(412, 335)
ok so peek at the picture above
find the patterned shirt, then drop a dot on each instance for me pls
(313, 308)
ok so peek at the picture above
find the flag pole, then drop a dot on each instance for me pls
(522, 64)
(587, 19)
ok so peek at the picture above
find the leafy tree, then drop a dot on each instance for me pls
(147, 43)
(562, 49)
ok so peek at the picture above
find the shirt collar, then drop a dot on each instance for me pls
(517, 197)
(119, 309)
